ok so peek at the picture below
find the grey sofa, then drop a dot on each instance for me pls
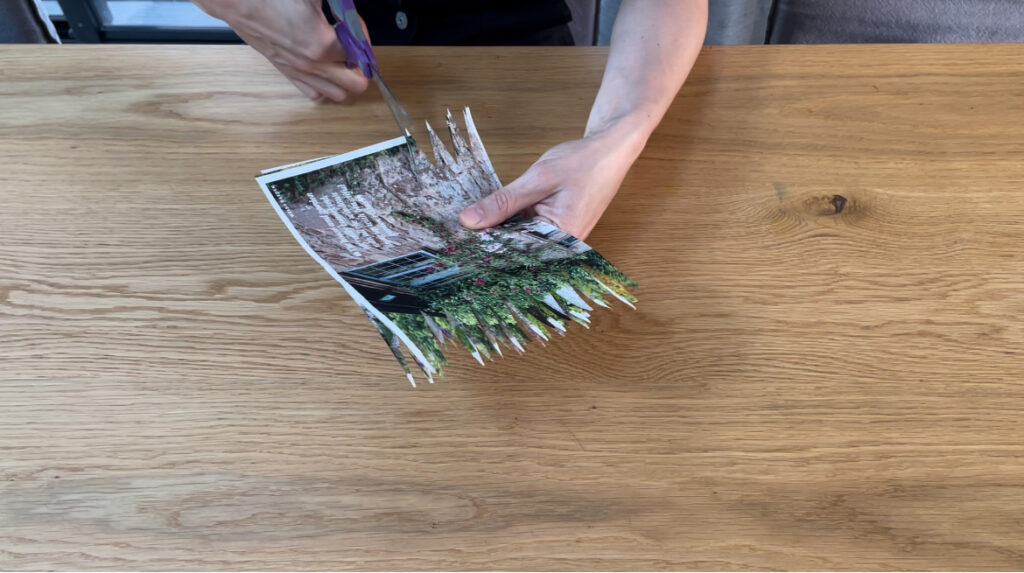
(841, 21)
(894, 21)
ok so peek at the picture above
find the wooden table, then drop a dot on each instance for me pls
(803, 387)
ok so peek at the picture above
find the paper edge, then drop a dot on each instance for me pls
(351, 290)
(306, 166)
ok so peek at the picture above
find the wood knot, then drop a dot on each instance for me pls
(839, 202)
(822, 205)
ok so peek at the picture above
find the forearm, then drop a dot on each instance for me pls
(653, 47)
(218, 8)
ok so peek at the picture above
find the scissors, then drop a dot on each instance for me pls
(358, 53)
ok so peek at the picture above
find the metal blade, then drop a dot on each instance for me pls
(397, 111)
(403, 121)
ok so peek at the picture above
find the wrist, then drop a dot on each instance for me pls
(627, 133)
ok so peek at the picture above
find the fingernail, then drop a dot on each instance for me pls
(472, 216)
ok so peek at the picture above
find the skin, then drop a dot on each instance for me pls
(296, 37)
(653, 47)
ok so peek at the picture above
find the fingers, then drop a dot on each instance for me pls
(327, 59)
(321, 65)
(533, 186)
(306, 89)
(352, 81)
(317, 68)
(315, 87)
(328, 88)
(311, 84)
(296, 37)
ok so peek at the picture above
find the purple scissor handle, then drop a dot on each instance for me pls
(350, 33)
(359, 53)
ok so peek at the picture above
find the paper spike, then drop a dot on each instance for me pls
(488, 333)
(534, 325)
(550, 301)
(442, 158)
(461, 148)
(570, 295)
(518, 345)
(396, 349)
(592, 297)
(613, 293)
(494, 339)
(512, 338)
(479, 153)
(558, 326)
(393, 343)
(581, 318)
(430, 377)
(434, 329)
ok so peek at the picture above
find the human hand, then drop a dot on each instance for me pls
(570, 186)
(296, 37)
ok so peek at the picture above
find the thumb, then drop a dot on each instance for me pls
(495, 208)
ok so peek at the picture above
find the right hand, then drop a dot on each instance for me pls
(296, 37)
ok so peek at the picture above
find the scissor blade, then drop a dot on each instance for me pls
(403, 121)
(397, 111)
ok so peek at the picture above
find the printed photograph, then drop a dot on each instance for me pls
(383, 221)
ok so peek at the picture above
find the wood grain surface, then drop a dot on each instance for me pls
(802, 387)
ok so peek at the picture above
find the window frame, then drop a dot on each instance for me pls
(90, 21)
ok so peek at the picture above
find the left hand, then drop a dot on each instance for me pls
(653, 46)
(570, 186)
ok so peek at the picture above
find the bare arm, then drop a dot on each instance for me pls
(653, 47)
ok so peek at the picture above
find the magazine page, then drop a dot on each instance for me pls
(383, 221)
